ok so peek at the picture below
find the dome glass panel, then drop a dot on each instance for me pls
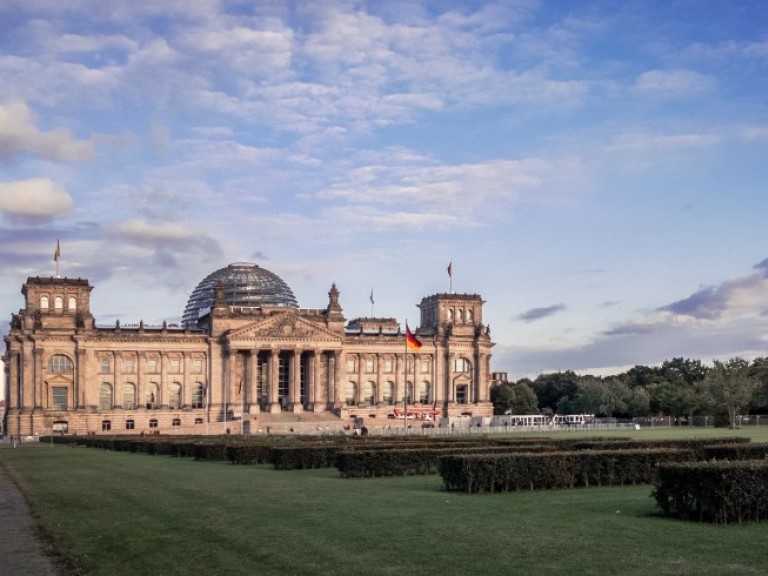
(246, 285)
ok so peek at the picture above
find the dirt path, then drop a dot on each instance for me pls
(22, 549)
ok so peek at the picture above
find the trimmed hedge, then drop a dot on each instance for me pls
(410, 461)
(718, 492)
(527, 471)
(757, 451)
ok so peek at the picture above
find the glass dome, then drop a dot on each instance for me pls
(245, 285)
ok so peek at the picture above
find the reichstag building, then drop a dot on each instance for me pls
(245, 355)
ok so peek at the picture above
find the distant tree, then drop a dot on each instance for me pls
(551, 388)
(729, 386)
(759, 371)
(683, 371)
(643, 377)
(639, 402)
(517, 398)
(601, 397)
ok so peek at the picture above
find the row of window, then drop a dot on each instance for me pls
(62, 364)
(152, 399)
(106, 425)
(58, 303)
(367, 393)
(460, 365)
(151, 365)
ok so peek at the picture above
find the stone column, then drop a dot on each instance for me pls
(295, 382)
(339, 367)
(38, 391)
(78, 397)
(274, 390)
(378, 398)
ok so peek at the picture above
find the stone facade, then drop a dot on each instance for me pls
(237, 366)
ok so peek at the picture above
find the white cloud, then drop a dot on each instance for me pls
(18, 135)
(35, 199)
(674, 83)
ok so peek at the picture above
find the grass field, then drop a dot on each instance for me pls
(121, 513)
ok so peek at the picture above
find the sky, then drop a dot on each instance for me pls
(596, 170)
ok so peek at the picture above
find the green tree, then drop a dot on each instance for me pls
(551, 388)
(517, 398)
(729, 387)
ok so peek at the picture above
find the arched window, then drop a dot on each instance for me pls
(350, 391)
(60, 364)
(450, 314)
(460, 314)
(426, 365)
(369, 393)
(153, 396)
(462, 365)
(198, 395)
(388, 393)
(129, 396)
(44, 302)
(105, 396)
(72, 303)
(58, 303)
(174, 395)
(424, 392)
(469, 314)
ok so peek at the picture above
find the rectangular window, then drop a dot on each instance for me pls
(152, 366)
(129, 424)
(370, 366)
(388, 366)
(105, 366)
(351, 365)
(106, 425)
(59, 398)
(153, 423)
(197, 366)
(175, 365)
(128, 365)
(198, 420)
(176, 422)
(461, 394)
(425, 366)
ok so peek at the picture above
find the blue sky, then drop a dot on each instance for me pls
(597, 171)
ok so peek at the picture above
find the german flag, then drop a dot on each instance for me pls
(411, 341)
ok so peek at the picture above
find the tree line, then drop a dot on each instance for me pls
(681, 388)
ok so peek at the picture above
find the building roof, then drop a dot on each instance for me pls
(246, 285)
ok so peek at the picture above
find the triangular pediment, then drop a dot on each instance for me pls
(283, 327)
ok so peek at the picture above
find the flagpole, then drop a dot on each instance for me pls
(405, 383)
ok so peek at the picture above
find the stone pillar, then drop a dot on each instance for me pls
(274, 390)
(295, 382)
(81, 364)
(338, 368)
(378, 398)
(38, 391)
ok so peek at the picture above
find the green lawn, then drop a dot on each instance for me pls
(121, 513)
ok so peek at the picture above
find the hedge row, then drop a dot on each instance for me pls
(528, 471)
(756, 451)
(411, 461)
(719, 492)
(325, 456)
